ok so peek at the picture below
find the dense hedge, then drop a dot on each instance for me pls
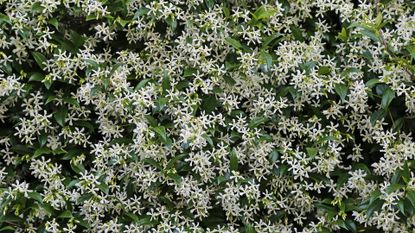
(207, 116)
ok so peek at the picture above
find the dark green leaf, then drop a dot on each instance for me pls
(140, 12)
(371, 83)
(36, 196)
(324, 70)
(411, 197)
(398, 124)
(4, 18)
(233, 160)
(153, 163)
(39, 58)
(41, 151)
(66, 214)
(257, 121)
(234, 43)
(60, 116)
(351, 225)
(264, 12)
(341, 90)
(375, 206)
(54, 22)
(387, 98)
(37, 77)
(249, 228)
(161, 131)
(269, 39)
(377, 115)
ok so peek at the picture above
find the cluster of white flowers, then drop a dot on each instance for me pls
(207, 116)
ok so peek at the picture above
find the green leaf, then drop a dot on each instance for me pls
(406, 173)
(144, 220)
(37, 7)
(72, 184)
(43, 138)
(175, 177)
(411, 197)
(76, 39)
(368, 31)
(36, 76)
(372, 82)
(50, 99)
(36, 196)
(8, 228)
(324, 70)
(172, 22)
(377, 115)
(346, 72)
(83, 223)
(343, 35)
(78, 168)
(54, 22)
(213, 221)
(165, 84)
(39, 58)
(394, 187)
(142, 84)
(161, 131)
(47, 82)
(41, 151)
(274, 155)
(257, 121)
(411, 50)
(282, 170)
(20, 149)
(104, 187)
(307, 66)
(401, 206)
(60, 116)
(210, 103)
(378, 20)
(153, 163)
(249, 228)
(264, 12)
(351, 225)
(270, 39)
(189, 72)
(234, 43)
(86, 124)
(140, 12)
(374, 206)
(330, 210)
(66, 214)
(4, 18)
(91, 17)
(311, 152)
(341, 90)
(398, 124)
(387, 98)
(172, 162)
(72, 101)
(122, 22)
(372, 35)
(297, 33)
(233, 160)
(266, 58)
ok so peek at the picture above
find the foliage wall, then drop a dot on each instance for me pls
(207, 116)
